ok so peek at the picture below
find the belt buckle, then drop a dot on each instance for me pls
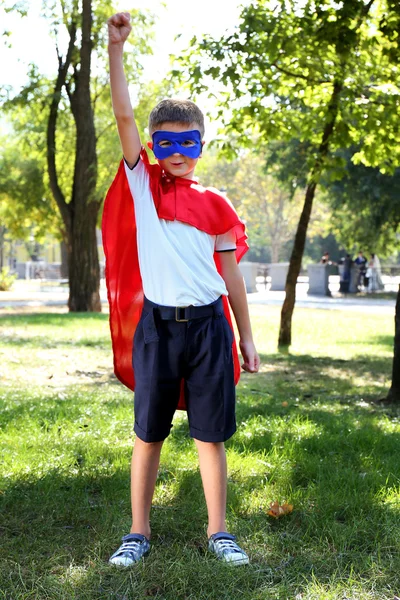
(177, 319)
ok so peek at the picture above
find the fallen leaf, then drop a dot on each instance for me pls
(277, 510)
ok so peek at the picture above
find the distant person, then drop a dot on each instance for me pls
(374, 275)
(325, 259)
(362, 264)
(347, 263)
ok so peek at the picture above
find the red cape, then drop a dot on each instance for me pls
(175, 199)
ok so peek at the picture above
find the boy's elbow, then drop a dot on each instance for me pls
(234, 281)
(123, 118)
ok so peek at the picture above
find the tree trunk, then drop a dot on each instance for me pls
(64, 260)
(83, 261)
(2, 234)
(285, 331)
(84, 269)
(275, 251)
(393, 396)
(80, 214)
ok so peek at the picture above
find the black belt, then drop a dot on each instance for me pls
(183, 314)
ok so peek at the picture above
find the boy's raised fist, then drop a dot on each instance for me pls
(119, 28)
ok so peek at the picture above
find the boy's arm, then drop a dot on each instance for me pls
(118, 31)
(238, 300)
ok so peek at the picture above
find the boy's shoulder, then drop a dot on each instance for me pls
(209, 188)
(216, 194)
(213, 190)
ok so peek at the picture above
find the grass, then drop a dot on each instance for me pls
(308, 433)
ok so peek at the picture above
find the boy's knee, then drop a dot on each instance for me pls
(211, 445)
(149, 445)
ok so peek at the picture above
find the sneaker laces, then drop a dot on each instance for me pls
(131, 547)
(225, 545)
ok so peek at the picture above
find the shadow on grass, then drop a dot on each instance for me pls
(309, 359)
(328, 451)
(336, 460)
(59, 529)
(376, 340)
(58, 532)
(320, 389)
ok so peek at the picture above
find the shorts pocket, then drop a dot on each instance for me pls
(150, 333)
(228, 337)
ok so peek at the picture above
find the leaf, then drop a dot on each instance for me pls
(277, 510)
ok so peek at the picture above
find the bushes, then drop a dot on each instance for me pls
(6, 279)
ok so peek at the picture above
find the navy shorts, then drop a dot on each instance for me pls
(197, 351)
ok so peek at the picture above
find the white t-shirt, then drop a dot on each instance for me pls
(175, 259)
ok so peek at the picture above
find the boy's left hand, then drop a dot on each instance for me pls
(251, 359)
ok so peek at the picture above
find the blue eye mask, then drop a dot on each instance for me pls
(166, 143)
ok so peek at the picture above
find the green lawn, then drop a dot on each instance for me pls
(308, 433)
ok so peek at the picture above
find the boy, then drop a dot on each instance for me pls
(182, 344)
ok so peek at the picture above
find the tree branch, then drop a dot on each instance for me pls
(69, 92)
(298, 75)
(98, 136)
(86, 45)
(51, 130)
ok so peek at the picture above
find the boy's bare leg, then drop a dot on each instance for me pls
(144, 468)
(213, 471)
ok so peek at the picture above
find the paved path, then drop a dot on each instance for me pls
(371, 304)
(34, 294)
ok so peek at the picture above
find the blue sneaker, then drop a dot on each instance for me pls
(134, 546)
(224, 546)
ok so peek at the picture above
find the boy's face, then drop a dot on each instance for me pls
(178, 165)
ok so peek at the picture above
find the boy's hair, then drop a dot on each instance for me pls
(174, 109)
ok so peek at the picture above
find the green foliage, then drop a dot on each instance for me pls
(318, 244)
(28, 110)
(366, 207)
(259, 197)
(27, 208)
(288, 160)
(263, 186)
(361, 202)
(278, 68)
(21, 7)
(6, 279)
